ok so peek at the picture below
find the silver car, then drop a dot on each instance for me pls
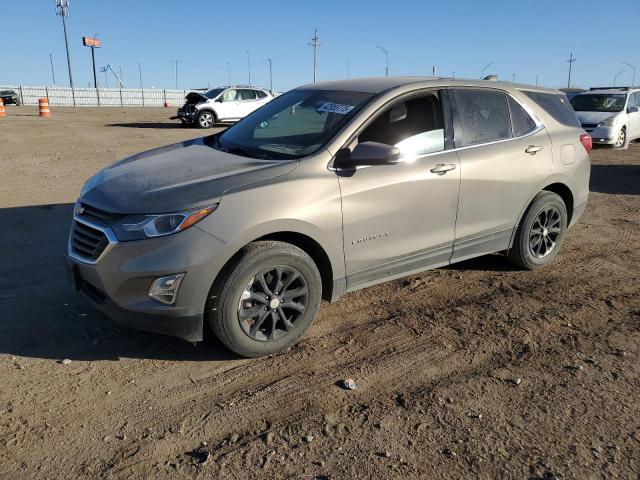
(610, 115)
(327, 189)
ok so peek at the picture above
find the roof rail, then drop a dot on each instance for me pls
(624, 89)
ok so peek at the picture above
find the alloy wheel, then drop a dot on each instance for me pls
(206, 120)
(622, 136)
(272, 302)
(545, 231)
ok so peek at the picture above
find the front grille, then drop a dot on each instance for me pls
(87, 242)
(95, 215)
(589, 125)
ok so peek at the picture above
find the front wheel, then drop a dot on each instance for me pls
(621, 139)
(206, 119)
(266, 299)
(540, 232)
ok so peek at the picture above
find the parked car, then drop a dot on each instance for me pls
(9, 96)
(327, 189)
(610, 115)
(227, 104)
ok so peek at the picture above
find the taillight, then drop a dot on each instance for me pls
(585, 140)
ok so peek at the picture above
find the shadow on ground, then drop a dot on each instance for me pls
(42, 316)
(615, 179)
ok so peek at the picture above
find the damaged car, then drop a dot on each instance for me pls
(226, 104)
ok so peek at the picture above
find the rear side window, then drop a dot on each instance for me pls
(520, 120)
(260, 94)
(557, 106)
(483, 116)
(247, 94)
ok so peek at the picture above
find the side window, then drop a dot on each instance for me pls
(557, 106)
(247, 94)
(483, 117)
(634, 99)
(415, 126)
(520, 120)
(260, 94)
(229, 96)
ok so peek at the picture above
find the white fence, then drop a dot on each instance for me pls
(101, 97)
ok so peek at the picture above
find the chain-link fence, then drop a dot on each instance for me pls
(100, 97)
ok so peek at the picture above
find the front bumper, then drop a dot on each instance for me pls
(118, 283)
(186, 115)
(603, 135)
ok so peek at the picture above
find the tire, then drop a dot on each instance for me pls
(548, 215)
(241, 311)
(621, 141)
(206, 119)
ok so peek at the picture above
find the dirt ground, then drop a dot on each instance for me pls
(472, 371)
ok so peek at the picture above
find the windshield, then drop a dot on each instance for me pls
(292, 125)
(214, 92)
(598, 102)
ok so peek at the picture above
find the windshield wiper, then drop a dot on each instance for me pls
(246, 153)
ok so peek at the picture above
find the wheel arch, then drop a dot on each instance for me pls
(564, 192)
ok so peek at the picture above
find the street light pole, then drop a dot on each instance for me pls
(228, 74)
(53, 74)
(615, 77)
(633, 81)
(270, 76)
(484, 68)
(249, 65)
(62, 9)
(140, 74)
(386, 68)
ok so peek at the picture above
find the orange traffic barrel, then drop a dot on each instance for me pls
(2, 112)
(43, 107)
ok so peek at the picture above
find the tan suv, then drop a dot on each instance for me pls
(327, 189)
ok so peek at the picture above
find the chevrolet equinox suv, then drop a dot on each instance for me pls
(327, 189)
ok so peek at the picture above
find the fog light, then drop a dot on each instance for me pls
(165, 289)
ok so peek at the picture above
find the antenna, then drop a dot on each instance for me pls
(314, 43)
(570, 61)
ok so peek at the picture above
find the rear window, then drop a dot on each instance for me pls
(557, 106)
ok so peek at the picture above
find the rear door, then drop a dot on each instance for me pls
(634, 118)
(400, 218)
(504, 155)
(249, 101)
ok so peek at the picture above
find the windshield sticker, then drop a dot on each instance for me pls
(335, 108)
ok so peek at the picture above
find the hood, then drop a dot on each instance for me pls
(594, 117)
(194, 98)
(176, 177)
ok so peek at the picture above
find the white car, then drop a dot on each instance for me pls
(225, 104)
(610, 115)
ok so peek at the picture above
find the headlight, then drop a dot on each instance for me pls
(609, 122)
(137, 227)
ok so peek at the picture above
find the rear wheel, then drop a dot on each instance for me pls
(265, 300)
(540, 232)
(206, 119)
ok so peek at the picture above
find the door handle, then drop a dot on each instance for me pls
(533, 149)
(442, 168)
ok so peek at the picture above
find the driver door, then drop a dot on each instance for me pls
(399, 219)
(230, 106)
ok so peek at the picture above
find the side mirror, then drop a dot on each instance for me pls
(367, 154)
(633, 109)
(219, 99)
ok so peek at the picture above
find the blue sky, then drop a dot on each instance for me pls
(526, 38)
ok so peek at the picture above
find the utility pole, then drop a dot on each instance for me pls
(176, 69)
(633, 80)
(62, 9)
(53, 74)
(105, 70)
(433, 71)
(314, 43)
(513, 78)
(140, 73)
(270, 77)
(570, 61)
(453, 74)
(536, 80)
(228, 74)
(484, 68)
(386, 68)
(249, 65)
